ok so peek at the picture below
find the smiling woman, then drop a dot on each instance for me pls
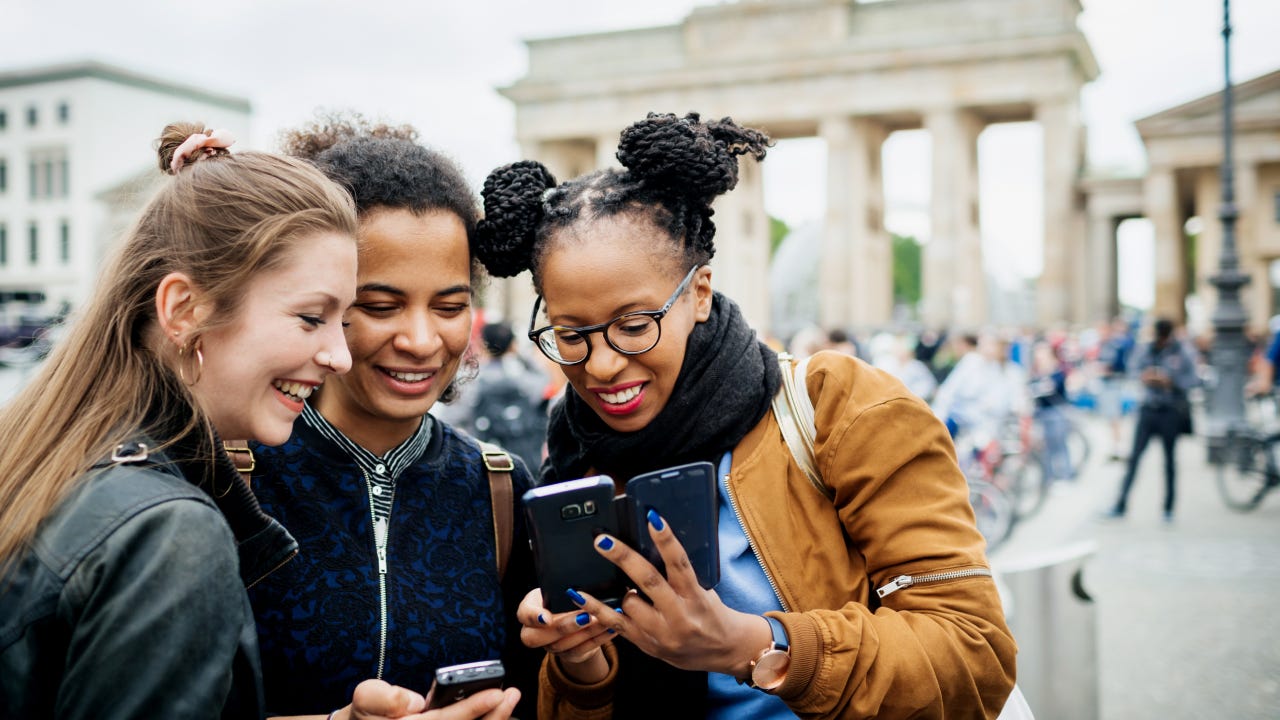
(126, 536)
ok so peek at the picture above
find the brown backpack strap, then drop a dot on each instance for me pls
(242, 456)
(499, 466)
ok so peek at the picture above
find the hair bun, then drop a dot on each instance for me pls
(512, 208)
(686, 156)
(172, 137)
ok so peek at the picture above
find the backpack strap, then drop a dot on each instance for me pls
(499, 466)
(241, 456)
(794, 410)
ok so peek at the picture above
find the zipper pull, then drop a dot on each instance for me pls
(895, 585)
(380, 541)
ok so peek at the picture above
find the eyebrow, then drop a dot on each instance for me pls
(393, 290)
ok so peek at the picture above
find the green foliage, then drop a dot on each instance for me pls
(906, 270)
(777, 231)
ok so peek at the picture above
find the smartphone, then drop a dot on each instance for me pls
(564, 520)
(456, 682)
(685, 496)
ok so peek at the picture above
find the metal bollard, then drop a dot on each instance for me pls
(1054, 622)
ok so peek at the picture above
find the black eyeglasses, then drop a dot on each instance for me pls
(630, 334)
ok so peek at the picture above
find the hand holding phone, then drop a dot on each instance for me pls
(685, 497)
(457, 682)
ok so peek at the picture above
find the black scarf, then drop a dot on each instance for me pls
(725, 387)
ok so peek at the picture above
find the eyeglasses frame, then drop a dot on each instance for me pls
(601, 328)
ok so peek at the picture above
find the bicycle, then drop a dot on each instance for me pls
(991, 488)
(1247, 470)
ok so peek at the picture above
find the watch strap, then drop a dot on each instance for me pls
(780, 639)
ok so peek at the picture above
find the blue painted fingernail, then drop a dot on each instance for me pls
(655, 520)
(583, 619)
(576, 597)
(542, 618)
(618, 610)
(611, 631)
(604, 542)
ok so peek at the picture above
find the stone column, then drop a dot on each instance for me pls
(856, 268)
(741, 265)
(955, 284)
(1101, 291)
(1061, 288)
(1160, 200)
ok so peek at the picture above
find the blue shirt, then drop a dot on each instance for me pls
(743, 587)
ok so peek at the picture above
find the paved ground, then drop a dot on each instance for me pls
(1187, 614)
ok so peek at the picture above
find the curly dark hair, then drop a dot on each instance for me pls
(674, 167)
(384, 166)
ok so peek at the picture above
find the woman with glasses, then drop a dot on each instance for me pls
(664, 371)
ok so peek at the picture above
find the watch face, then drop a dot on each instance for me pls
(771, 669)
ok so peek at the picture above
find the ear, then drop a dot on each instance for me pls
(702, 292)
(180, 307)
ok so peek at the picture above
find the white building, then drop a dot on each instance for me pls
(68, 134)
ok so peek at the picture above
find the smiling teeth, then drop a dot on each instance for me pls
(409, 377)
(296, 390)
(621, 397)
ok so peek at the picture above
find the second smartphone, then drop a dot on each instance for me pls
(685, 497)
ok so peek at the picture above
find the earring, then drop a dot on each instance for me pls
(195, 350)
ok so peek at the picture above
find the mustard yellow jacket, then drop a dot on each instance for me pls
(936, 648)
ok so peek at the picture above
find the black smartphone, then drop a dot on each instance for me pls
(456, 682)
(685, 497)
(564, 520)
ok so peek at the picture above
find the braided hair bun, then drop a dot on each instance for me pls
(686, 156)
(512, 208)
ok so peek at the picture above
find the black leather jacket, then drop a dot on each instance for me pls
(131, 601)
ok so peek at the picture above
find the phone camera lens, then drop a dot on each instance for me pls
(571, 511)
(589, 507)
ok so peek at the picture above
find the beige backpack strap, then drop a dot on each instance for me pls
(499, 466)
(242, 456)
(794, 411)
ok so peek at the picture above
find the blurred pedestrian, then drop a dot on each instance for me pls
(505, 404)
(1114, 352)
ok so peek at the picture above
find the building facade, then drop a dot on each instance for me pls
(69, 134)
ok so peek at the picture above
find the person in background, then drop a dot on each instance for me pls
(1048, 387)
(398, 570)
(505, 405)
(1114, 351)
(1167, 369)
(662, 371)
(127, 538)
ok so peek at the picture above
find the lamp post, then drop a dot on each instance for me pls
(1229, 353)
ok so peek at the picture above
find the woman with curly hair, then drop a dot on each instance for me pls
(394, 510)
(863, 591)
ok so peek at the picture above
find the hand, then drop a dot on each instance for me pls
(682, 624)
(378, 700)
(575, 638)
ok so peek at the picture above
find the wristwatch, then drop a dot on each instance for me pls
(769, 669)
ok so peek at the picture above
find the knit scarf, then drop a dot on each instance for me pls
(725, 386)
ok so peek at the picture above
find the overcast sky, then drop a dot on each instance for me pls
(437, 64)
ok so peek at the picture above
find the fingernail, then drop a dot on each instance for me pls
(611, 631)
(604, 542)
(655, 520)
(583, 619)
(542, 618)
(618, 610)
(576, 597)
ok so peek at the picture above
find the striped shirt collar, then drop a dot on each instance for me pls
(389, 466)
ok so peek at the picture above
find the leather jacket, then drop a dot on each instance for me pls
(936, 648)
(130, 601)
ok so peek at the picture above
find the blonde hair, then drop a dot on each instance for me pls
(222, 219)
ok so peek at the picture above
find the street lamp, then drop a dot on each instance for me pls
(1229, 354)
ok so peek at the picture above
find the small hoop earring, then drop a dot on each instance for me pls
(195, 350)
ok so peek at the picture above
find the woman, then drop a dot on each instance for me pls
(126, 537)
(397, 574)
(665, 371)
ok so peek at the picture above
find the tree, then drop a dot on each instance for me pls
(906, 270)
(777, 231)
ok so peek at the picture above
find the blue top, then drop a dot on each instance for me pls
(319, 616)
(743, 587)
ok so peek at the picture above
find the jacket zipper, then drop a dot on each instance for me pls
(905, 581)
(733, 504)
(279, 565)
(381, 529)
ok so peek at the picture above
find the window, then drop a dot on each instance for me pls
(4, 245)
(33, 243)
(64, 242)
(49, 173)
(33, 116)
(1277, 200)
(4, 175)
(64, 112)
(4, 119)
